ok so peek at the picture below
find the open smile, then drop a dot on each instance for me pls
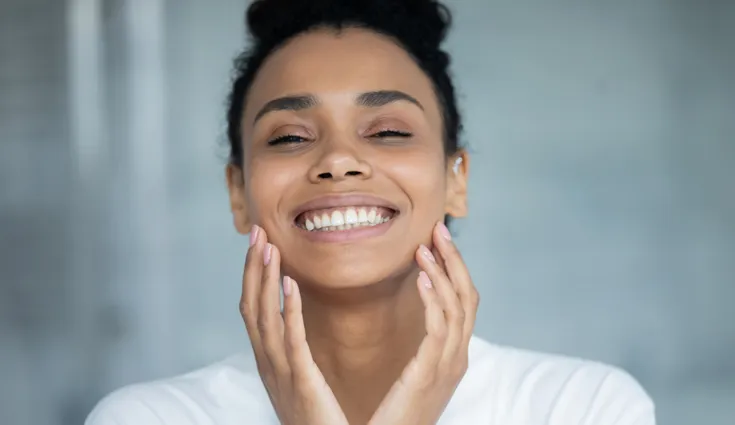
(345, 217)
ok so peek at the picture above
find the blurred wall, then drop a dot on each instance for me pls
(602, 192)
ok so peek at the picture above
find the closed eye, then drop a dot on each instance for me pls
(391, 133)
(286, 139)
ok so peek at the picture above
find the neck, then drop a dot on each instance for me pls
(362, 347)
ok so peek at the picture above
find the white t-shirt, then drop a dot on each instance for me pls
(502, 386)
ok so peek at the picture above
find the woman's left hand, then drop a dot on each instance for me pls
(450, 299)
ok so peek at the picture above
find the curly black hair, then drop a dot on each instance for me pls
(418, 26)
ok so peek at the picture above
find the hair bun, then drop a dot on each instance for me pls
(269, 20)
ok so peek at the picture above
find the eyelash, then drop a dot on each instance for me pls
(286, 139)
(290, 138)
(391, 133)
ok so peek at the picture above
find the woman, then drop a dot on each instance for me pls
(345, 165)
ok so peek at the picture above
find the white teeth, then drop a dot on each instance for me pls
(362, 216)
(351, 216)
(337, 219)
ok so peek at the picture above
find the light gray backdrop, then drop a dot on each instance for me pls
(602, 192)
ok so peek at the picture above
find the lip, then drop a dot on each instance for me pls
(344, 200)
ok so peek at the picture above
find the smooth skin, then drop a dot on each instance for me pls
(363, 337)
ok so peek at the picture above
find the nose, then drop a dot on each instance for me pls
(339, 164)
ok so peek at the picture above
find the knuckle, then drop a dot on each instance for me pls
(474, 297)
(454, 320)
(246, 310)
(292, 345)
(263, 322)
(435, 306)
(440, 331)
(458, 313)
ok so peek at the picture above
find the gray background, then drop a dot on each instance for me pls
(602, 192)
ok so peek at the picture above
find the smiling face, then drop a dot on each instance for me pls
(344, 165)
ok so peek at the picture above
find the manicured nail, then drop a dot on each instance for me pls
(286, 286)
(254, 235)
(444, 231)
(424, 279)
(267, 254)
(427, 253)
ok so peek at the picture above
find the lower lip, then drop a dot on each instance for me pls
(348, 235)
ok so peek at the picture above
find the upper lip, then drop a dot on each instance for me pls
(343, 200)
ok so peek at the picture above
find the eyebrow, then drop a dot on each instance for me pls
(375, 99)
(287, 103)
(372, 99)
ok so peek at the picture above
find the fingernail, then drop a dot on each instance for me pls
(286, 286)
(424, 279)
(254, 235)
(267, 254)
(444, 231)
(427, 253)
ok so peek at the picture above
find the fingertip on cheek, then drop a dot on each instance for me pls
(424, 280)
(254, 235)
(287, 286)
(443, 231)
(424, 250)
(267, 254)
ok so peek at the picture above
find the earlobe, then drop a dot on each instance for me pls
(238, 204)
(456, 197)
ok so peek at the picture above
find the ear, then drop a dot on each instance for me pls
(458, 166)
(238, 200)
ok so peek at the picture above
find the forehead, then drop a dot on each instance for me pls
(326, 62)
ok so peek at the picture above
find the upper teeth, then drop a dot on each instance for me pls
(346, 218)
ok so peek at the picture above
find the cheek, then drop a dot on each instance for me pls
(421, 175)
(266, 182)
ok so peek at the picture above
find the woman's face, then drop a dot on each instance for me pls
(344, 165)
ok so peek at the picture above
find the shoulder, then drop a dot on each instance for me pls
(553, 389)
(213, 395)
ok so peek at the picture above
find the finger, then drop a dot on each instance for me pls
(447, 296)
(270, 322)
(251, 278)
(453, 311)
(439, 260)
(432, 346)
(297, 349)
(459, 275)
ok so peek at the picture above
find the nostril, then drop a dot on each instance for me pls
(353, 173)
(325, 176)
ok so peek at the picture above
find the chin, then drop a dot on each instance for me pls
(355, 270)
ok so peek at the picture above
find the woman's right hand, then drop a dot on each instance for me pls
(297, 389)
